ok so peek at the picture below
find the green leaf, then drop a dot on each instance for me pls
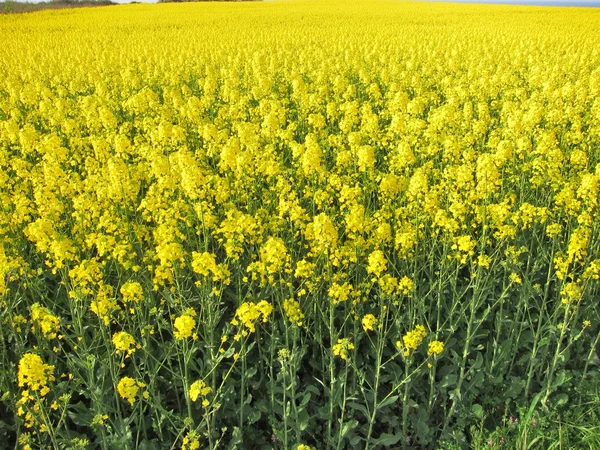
(148, 445)
(254, 416)
(81, 415)
(448, 381)
(350, 425)
(305, 400)
(358, 407)
(388, 401)
(477, 410)
(478, 362)
(387, 439)
(236, 438)
(303, 419)
(561, 399)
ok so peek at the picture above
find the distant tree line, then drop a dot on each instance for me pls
(190, 1)
(10, 6)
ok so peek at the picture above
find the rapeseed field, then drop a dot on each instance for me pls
(298, 225)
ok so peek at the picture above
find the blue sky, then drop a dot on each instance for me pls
(595, 3)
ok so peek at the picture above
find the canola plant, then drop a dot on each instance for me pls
(297, 224)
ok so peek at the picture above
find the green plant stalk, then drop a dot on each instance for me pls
(47, 422)
(556, 355)
(293, 380)
(431, 386)
(339, 442)
(465, 354)
(536, 340)
(114, 372)
(331, 375)
(404, 405)
(242, 388)
(375, 391)
(587, 362)
(499, 328)
(285, 408)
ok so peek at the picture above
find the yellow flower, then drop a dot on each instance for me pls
(45, 321)
(292, 310)
(368, 322)
(199, 388)
(34, 374)
(413, 339)
(124, 342)
(249, 313)
(342, 347)
(570, 293)
(283, 354)
(128, 389)
(435, 348)
(515, 278)
(132, 291)
(99, 419)
(406, 285)
(185, 325)
(377, 263)
(191, 441)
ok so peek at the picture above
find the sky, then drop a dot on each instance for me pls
(594, 3)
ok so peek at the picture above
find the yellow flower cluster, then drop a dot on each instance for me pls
(185, 325)
(293, 312)
(128, 389)
(342, 348)
(132, 291)
(368, 322)
(274, 258)
(435, 348)
(124, 342)
(43, 320)
(205, 264)
(191, 441)
(411, 340)
(33, 374)
(432, 149)
(248, 314)
(376, 263)
(200, 389)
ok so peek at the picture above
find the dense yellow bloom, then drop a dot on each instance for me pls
(342, 348)
(124, 342)
(406, 285)
(570, 293)
(322, 232)
(34, 374)
(368, 322)
(377, 263)
(205, 264)
(248, 314)
(44, 320)
(383, 156)
(128, 389)
(191, 441)
(132, 291)
(185, 325)
(340, 293)
(435, 348)
(412, 340)
(104, 304)
(199, 388)
(293, 312)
